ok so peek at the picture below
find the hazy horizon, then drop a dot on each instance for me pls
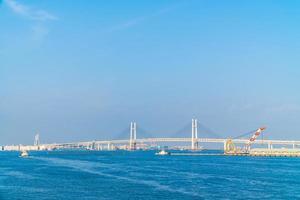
(84, 70)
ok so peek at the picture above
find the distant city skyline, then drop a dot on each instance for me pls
(84, 70)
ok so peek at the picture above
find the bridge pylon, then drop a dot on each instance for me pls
(37, 141)
(195, 144)
(132, 140)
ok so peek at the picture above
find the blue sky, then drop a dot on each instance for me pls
(82, 70)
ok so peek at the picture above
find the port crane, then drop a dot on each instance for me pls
(230, 147)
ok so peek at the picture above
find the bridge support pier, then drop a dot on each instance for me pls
(132, 140)
(37, 141)
(270, 146)
(93, 146)
(195, 144)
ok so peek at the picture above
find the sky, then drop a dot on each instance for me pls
(83, 70)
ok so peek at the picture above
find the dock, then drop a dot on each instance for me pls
(262, 152)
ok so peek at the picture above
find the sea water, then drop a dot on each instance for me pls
(119, 175)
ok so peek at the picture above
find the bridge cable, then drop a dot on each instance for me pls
(245, 134)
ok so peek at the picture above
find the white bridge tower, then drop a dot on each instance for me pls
(195, 145)
(37, 140)
(132, 141)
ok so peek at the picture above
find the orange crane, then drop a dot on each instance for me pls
(231, 149)
(253, 138)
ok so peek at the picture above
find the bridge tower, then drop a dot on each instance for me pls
(194, 134)
(132, 140)
(37, 140)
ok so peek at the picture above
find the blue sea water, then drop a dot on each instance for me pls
(142, 175)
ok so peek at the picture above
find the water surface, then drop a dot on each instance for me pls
(142, 175)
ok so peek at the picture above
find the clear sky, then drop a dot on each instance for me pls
(82, 70)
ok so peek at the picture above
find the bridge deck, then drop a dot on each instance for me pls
(157, 140)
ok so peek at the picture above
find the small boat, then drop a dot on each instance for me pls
(24, 154)
(163, 153)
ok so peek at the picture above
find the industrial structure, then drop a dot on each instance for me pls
(231, 149)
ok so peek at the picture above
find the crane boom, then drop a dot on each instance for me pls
(253, 138)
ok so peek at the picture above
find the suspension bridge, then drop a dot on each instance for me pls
(134, 142)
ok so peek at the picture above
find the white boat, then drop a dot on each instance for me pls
(163, 153)
(24, 154)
